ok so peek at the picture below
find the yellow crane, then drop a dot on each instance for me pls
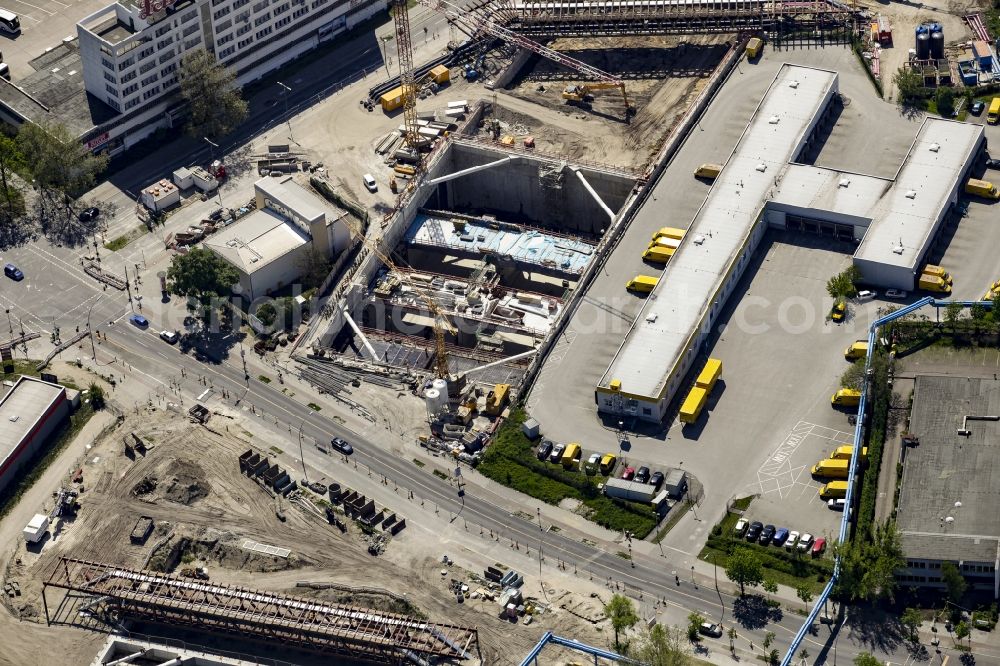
(582, 93)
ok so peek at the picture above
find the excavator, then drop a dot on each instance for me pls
(583, 93)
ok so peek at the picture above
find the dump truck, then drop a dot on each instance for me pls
(709, 375)
(669, 232)
(857, 350)
(754, 47)
(832, 468)
(642, 284)
(933, 283)
(993, 115)
(658, 254)
(845, 452)
(846, 397)
(982, 188)
(571, 456)
(833, 490)
(693, 404)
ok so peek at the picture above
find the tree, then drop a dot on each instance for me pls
(804, 593)
(803, 655)
(11, 159)
(314, 267)
(995, 307)
(854, 376)
(866, 659)
(768, 639)
(217, 106)
(842, 285)
(770, 586)
(266, 313)
(962, 631)
(732, 639)
(909, 85)
(978, 312)
(695, 621)
(745, 568)
(621, 612)
(201, 276)
(952, 313)
(58, 161)
(945, 102)
(661, 646)
(953, 581)
(868, 564)
(911, 619)
(96, 394)
(774, 657)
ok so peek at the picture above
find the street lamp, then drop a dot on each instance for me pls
(285, 94)
(302, 456)
(213, 144)
(89, 329)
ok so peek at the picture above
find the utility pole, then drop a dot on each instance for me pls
(285, 94)
(302, 456)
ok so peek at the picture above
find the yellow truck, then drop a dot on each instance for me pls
(857, 350)
(931, 269)
(845, 452)
(669, 232)
(667, 243)
(993, 115)
(642, 284)
(693, 404)
(709, 375)
(982, 188)
(832, 468)
(754, 47)
(658, 254)
(833, 490)
(708, 171)
(933, 283)
(846, 397)
(571, 456)
(608, 463)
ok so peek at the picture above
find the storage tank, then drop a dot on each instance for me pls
(923, 45)
(937, 44)
(433, 401)
(441, 386)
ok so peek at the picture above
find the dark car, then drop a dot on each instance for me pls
(342, 445)
(642, 476)
(89, 214)
(13, 272)
(709, 629)
(139, 320)
(656, 480)
(216, 215)
(754, 530)
(977, 108)
(766, 535)
(780, 536)
(544, 449)
(557, 452)
(992, 163)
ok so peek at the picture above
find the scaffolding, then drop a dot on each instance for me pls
(355, 633)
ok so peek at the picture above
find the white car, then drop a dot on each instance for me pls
(369, 181)
(805, 541)
(793, 538)
(897, 294)
(170, 337)
(865, 295)
(836, 504)
(740, 527)
(594, 460)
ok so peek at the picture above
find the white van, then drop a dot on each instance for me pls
(865, 295)
(9, 22)
(369, 181)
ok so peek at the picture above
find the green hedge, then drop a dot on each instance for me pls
(876, 440)
(510, 460)
(776, 559)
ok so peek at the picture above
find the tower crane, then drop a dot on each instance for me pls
(481, 23)
(407, 80)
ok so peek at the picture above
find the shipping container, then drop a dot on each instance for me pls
(754, 47)
(632, 491)
(693, 404)
(709, 375)
(440, 74)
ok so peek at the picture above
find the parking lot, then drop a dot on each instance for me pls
(44, 24)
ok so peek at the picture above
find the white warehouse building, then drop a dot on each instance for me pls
(895, 221)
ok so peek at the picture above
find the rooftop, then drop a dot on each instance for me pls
(818, 188)
(655, 345)
(22, 407)
(293, 196)
(256, 240)
(907, 214)
(948, 475)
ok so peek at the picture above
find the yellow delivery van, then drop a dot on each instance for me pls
(642, 284)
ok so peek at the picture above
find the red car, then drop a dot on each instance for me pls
(628, 473)
(819, 545)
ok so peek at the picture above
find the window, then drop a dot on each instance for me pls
(242, 16)
(319, 3)
(148, 66)
(113, 103)
(169, 82)
(263, 33)
(107, 63)
(240, 3)
(155, 90)
(190, 15)
(191, 43)
(166, 56)
(261, 20)
(163, 30)
(111, 89)
(108, 76)
(222, 27)
(169, 69)
(260, 5)
(150, 79)
(131, 103)
(228, 51)
(300, 12)
(224, 39)
(282, 22)
(222, 12)
(244, 42)
(646, 411)
(125, 64)
(145, 53)
(130, 89)
(243, 29)
(164, 43)
(128, 77)
(190, 30)
(281, 9)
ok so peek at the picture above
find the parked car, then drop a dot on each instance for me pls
(642, 476)
(977, 108)
(656, 480)
(342, 445)
(818, 547)
(780, 536)
(766, 535)
(369, 181)
(865, 295)
(836, 504)
(740, 527)
(805, 541)
(593, 461)
(754, 530)
(838, 311)
(629, 473)
(139, 320)
(544, 449)
(608, 463)
(992, 164)
(557, 452)
(793, 538)
(89, 214)
(170, 337)
(710, 629)
(13, 272)
(897, 294)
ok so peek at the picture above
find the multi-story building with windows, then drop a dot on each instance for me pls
(131, 53)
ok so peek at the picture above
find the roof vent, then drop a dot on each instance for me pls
(845, 182)
(14, 419)
(911, 194)
(761, 167)
(793, 84)
(699, 239)
(897, 249)
(773, 120)
(934, 147)
(652, 317)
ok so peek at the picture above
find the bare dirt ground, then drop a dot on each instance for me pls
(663, 75)
(189, 483)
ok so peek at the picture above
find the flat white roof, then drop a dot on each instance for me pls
(290, 194)
(818, 188)
(23, 407)
(256, 240)
(652, 349)
(936, 161)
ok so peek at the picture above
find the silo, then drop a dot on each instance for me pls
(937, 44)
(923, 45)
(433, 401)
